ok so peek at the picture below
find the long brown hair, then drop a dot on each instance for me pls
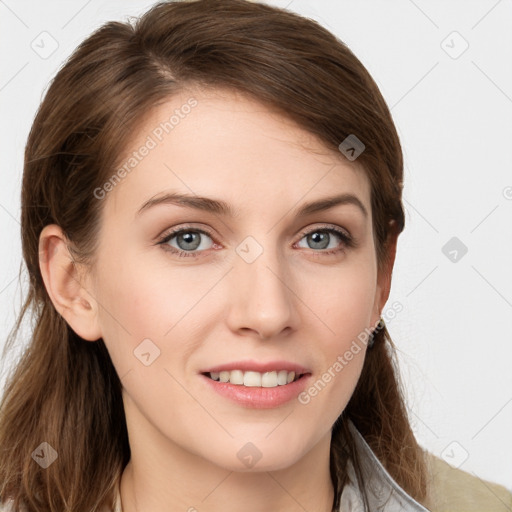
(65, 391)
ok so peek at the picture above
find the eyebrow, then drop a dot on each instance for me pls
(222, 208)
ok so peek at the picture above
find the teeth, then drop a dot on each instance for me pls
(269, 380)
(282, 377)
(236, 377)
(255, 379)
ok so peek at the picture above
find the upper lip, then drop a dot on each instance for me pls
(258, 366)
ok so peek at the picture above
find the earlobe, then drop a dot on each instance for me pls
(64, 285)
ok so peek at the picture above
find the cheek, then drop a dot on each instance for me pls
(342, 298)
(345, 303)
(331, 388)
(141, 294)
(143, 298)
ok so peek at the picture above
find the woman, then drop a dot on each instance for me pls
(210, 209)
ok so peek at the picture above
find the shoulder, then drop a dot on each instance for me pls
(453, 489)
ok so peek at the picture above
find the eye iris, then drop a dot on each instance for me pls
(319, 237)
(188, 237)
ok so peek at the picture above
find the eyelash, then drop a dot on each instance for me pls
(347, 241)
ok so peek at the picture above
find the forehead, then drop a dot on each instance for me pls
(221, 143)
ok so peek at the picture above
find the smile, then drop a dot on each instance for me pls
(270, 379)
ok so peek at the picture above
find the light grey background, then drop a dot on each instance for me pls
(453, 111)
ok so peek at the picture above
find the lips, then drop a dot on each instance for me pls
(257, 384)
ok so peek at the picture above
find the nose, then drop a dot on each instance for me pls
(262, 298)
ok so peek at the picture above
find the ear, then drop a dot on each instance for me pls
(64, 284)
(384, 275)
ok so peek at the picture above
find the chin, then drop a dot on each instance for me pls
(263, 465)
(264, 454)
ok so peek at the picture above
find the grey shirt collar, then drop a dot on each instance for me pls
(384, 494)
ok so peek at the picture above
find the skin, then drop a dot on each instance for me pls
(294, 303)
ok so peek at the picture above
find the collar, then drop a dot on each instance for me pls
(384, 494)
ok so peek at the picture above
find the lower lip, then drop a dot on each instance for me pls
(259, 397)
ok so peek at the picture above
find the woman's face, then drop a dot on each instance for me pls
(260, 288)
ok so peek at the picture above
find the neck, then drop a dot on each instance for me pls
(223, 491)
(162, 476)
